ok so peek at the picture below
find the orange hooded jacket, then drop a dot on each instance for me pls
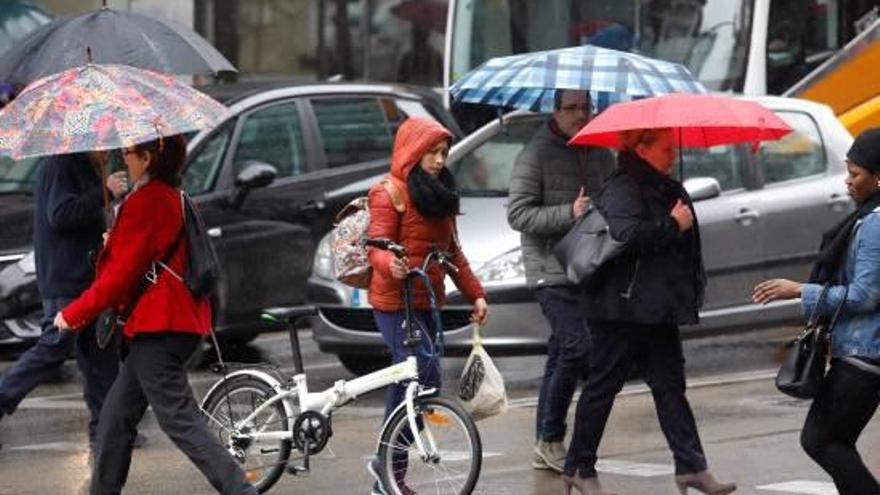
(415, 137)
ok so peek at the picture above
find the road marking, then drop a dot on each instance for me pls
(53, 446)
(802, 487)
(640, 389)
(627, 468)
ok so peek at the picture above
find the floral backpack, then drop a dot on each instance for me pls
(347, 250)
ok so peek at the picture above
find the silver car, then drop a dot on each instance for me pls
(761, 214)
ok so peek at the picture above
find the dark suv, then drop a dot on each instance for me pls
(261, 180)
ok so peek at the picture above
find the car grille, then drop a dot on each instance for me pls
(361, 319)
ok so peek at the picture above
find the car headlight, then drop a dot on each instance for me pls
(27, 264)
(507, 266)
(322, 266)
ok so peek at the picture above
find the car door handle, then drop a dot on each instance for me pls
(215, 232)
(746, 216)
(312, 206)
(838, 199)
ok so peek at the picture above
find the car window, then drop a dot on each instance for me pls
(727, 164)
(486, 170)
(798, 154)
(17, 175)
(355, 130)
(273, 135)
(205, 164)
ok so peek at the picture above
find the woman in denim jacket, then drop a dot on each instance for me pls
(849, 262)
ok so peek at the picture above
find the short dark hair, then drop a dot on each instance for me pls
(557, 98)
(167, 155)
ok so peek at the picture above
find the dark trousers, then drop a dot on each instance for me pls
(154, 374)
(568, 352)
(99, 367)
(657, 352)
(392, 326)
(845, 404)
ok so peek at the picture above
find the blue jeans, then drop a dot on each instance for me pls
(99, 367)
(392, 326)
(568, 352)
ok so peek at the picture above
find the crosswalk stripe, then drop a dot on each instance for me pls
(627, 468)
(802, 487)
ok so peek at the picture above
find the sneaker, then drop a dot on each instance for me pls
(538, 462)
(552, 453)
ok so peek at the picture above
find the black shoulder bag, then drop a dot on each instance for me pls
(110, 322)
(803, 370)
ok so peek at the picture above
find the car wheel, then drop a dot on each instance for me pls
(361, 365)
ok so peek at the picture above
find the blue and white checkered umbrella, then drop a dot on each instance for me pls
(530, 80)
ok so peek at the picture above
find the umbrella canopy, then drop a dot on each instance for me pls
(113, 37)
(99, 107)
(698, 121)
(17, 19)
(529, 81)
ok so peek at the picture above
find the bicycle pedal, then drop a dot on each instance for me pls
(296, 470)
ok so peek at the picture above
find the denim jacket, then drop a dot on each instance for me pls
(857, 332)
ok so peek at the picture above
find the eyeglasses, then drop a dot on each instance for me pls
(575, 108)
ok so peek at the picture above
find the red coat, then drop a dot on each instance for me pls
(416, 233)
(148, 224)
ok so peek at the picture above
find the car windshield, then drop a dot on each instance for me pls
(485, 169)
(710, 37)
(17, 176)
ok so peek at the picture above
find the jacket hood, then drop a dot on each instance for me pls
(415, 137)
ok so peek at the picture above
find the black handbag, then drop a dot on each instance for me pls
(803, 370)
(586, 247)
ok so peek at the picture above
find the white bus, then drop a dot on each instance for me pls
(744, 46)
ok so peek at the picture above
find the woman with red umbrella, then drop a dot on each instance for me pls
(635, 310)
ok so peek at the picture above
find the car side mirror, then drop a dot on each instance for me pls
(700, 188)
(254, 175)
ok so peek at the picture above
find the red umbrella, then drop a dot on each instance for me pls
(698, 121)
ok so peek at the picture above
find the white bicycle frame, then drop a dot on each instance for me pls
(337, 396)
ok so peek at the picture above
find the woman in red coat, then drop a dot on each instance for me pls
(164, 329)
(416, 207)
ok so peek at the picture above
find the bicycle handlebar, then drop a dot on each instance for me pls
(442, 257)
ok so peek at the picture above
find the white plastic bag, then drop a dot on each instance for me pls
(481, 387)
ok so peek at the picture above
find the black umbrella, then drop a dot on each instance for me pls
(112, 37)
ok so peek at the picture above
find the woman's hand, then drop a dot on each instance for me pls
(481, 312)
(776, 289)
(60, 323)
(398, 268)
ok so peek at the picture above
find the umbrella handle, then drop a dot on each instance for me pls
(108, 210)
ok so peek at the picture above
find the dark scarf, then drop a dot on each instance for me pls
(832, 251)
(433, 198)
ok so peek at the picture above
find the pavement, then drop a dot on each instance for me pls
(749, 431)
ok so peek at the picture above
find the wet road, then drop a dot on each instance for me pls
(749, 431)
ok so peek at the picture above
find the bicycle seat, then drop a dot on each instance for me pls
(291, 313)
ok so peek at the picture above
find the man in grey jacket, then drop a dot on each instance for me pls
(550, 188)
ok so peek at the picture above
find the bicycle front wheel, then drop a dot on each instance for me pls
(453, 452)
(263, 461)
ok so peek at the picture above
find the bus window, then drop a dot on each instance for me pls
(710, 37)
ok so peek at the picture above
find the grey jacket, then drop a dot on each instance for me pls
(546, 179)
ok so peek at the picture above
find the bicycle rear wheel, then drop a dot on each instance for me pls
(453, 442)
(263, 461)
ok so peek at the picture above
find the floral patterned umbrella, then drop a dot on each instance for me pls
(100, 107)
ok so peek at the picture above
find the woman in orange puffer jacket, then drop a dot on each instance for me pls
(420, 216)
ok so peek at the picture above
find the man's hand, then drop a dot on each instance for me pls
(481, 312)
(776, 289)
(683, 216)
(117, 183)
(581, 204)
(60, 323)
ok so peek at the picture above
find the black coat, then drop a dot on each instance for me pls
(659, 278)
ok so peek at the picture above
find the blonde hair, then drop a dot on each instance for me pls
(631, 139)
